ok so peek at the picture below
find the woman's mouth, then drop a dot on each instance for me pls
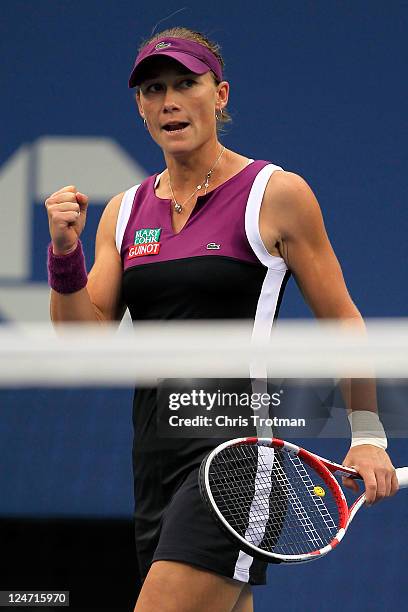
(176, 127)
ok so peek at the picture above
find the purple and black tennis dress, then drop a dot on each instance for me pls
(216, 267)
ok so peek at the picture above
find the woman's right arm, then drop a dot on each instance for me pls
(101, 299)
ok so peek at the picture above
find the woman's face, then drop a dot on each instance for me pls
(179, 106)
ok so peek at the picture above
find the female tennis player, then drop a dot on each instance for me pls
(214, 235)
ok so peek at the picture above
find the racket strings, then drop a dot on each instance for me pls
(268, 496)
(310, 485)
(309, 517)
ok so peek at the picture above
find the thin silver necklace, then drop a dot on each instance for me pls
(206, 182)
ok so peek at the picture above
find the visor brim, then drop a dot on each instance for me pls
(188, 61)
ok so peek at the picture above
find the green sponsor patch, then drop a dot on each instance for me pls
(147, 234)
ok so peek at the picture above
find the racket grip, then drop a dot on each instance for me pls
(402, 475)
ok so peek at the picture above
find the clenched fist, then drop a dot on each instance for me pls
(66, 210)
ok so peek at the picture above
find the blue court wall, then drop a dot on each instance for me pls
(317, 87)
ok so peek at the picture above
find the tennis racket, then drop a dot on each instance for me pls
(279, 502)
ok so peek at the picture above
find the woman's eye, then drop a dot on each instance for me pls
(153, 88)
(188, 83)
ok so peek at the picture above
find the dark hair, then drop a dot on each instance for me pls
(180, 32)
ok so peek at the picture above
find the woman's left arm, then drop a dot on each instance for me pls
(292, 226)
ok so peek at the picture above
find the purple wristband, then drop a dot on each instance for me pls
(67, 273)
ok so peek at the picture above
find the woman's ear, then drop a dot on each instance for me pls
(222, 94)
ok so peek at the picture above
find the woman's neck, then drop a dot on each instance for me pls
(189, 170)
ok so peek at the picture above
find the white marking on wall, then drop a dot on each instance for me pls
(26, 302)
(15, 216)
(98, 167)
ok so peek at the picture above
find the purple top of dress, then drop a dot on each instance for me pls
(215, 227)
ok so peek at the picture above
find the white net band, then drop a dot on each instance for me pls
(99, 355)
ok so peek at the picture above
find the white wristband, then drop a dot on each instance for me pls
(366, 428)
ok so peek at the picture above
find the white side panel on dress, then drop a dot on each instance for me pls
(264, 317)
(277, 269)
(124, 214)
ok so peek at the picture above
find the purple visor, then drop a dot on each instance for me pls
(194, 56)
